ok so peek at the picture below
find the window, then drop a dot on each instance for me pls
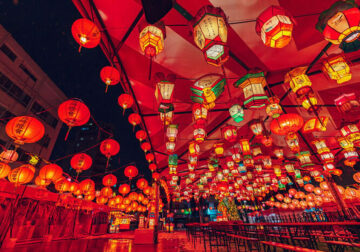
(45, 141)
(7, 51)
(5, 115)
(40, 112)
(28, 72)
(14, 91)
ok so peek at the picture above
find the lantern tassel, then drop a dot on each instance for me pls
(106, 89)
(124, 111)
(80, 48)
(107, 162)
(67, 133)
(150, 67)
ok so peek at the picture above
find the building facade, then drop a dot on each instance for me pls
(26, 90)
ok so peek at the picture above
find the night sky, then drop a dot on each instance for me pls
(43, 29)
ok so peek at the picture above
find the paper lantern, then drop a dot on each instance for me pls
(134, 119)
(207, 89)
(167, 117)
(74, 187)
(170, 147)
(210, 34)
(289, 167)
(106, 192)
(109, 180)
(164, 92)
(309, 101)
(25, 129)
(229, 133)
(141, 184)
(151, 38)
(257, 127)
(219, 149)
(305, 159)
(356, 177)
(245, 146)
(110, 76)
(41, 182)
(150, 157)
(155, 176)
(235, 154)
(347, 103)
(315, 124)
(199, 134)
(253, 84)
(273, 109)
(171, 132)
(267, 140)
(145, 146)
(194, 148)
(286, 123)
(124, 189)
(109, 147)
(85, 33)
(62, 185)
(199, 112)
(73, 113)
(340, 24)
(101, 200)
(4, 170)
(81, 162)
(125, 101)
(351, 132)
(131, 171)
(141, 135)
(9, 156)
(298, 81)
(336, 68)
(275, 26)
(349, 152)
(279, 153)
(237, 113)
(50, 172)
(152, 167)
(87, 186)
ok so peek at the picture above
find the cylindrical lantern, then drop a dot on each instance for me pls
(336, 68)
(298, 81)
(171, 132)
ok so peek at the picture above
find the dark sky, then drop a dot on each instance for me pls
(43, 29)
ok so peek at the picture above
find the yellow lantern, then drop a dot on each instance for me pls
(166, 117)
(274, 109)
(171, 132)
(194, 148)
(298, 80)
(293, 142)
(336, 68)
(309, 101)
(305, 158)
(219, 149)
(245, 146)
(151, 38)
(210, 34)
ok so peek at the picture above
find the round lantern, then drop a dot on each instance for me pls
(336, 68)
(131, 172)
(21, 175)
(9, 156)
(309, 188)
(110, 76)
(141, 135)
(101, 200)
(210, 34)
(109, 180)
(125, 101)
(4, 170)
(124, 189)
(340, 24)
(253, 84)
(237, 113)
(25, 129)
(109, 147)
(81, 162)
(106, 192)
(74, 187)
(85, 33)
(275, 26)
(229, 133)
(41, 182)
(207, 89)
(145, 146)
(152, 167)
(150, 157)
(62, 185)
(50, 172)
(274, 109)
(141, 183)
(118, 199)
(151, 38)
(73, 113)
(155, 176)
(292, 191)
(87, 186)
(356, 177)
(134, 119)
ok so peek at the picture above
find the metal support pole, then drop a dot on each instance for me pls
(156, 227)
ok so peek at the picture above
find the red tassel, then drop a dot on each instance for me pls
(67, 133)
(106, 89)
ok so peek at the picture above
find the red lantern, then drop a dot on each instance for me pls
(229, 133)
(152, 167)
(199, 134)
(134, 119)
(21, 175)
(131, 172)
(41, 182)
(109, 180)
(286, 123)
(25, 129)
(4, 170)
(9, 156)
(309, 188)
(87, 186)
(62, 186)
(150, 157)
(155, 176)
(73, 113)
(257, 127)
(85, 33)
(110, 76)
(141, 135)
(210, 34)
(194, 148)
(124, 189)
(125, 101)
(50, 172)
(81, 162)
(145, 146)
(275, 27)
(109, 147)
(141, 183)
